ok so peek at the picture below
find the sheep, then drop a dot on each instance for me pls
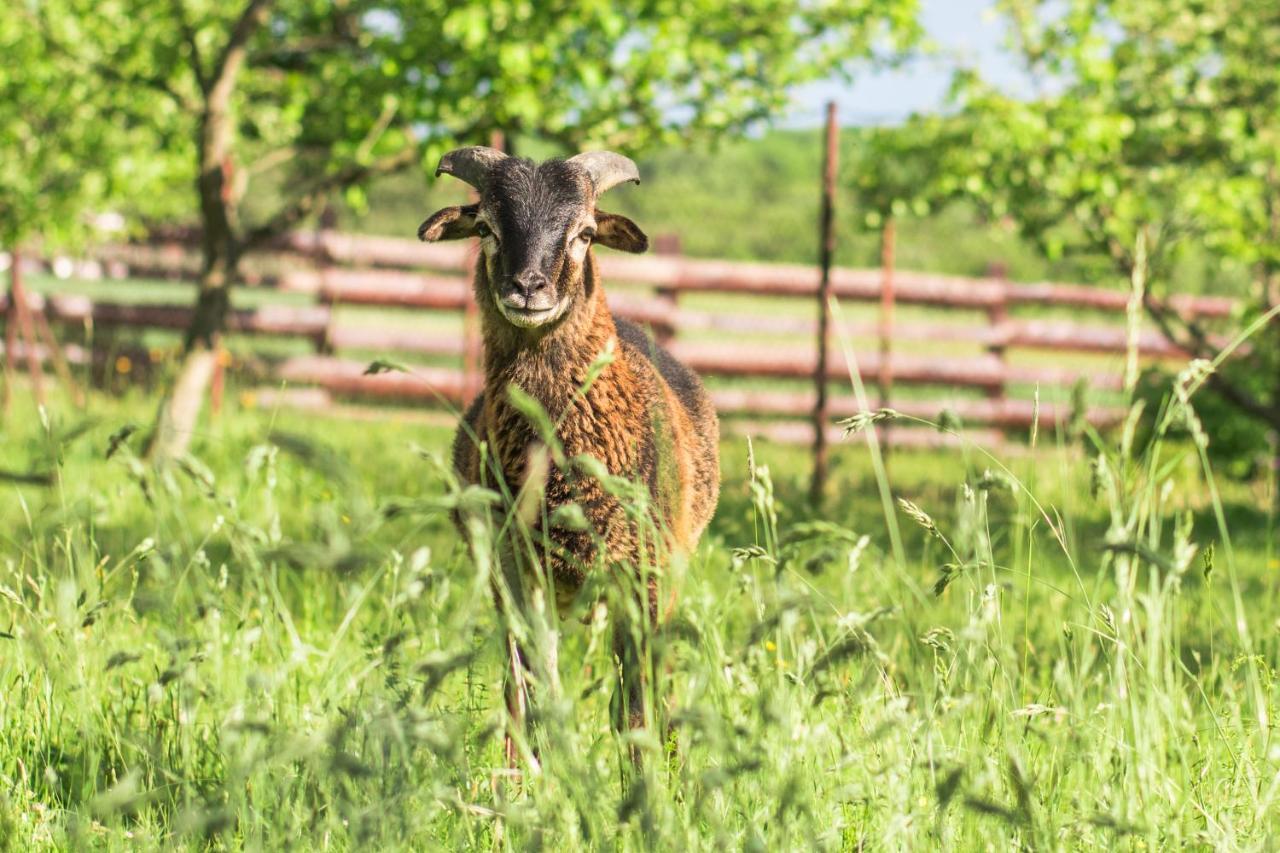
(545, 321)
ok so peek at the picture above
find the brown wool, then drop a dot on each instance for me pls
(630, 419)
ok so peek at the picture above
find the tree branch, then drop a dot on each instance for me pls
(234, 52)
(1195, 341)
(272, 159)
(189, 36)
(294, 54)
(309, 200)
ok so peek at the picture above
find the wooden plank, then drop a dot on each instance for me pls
(347, 378)
(1007, 414)
(800, 432)
(285, 320)
(1102, 299)
(789, 361)
(391, 288)
(701, 274)
(321, 402)
(371, 250)
(1057, 335)
(382, 339)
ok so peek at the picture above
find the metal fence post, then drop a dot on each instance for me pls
(20, 314)
(888, 261)
(664, 331)
(826, 248)
(997, 320)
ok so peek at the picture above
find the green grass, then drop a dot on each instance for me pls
(248, 651)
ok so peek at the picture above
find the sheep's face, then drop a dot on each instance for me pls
(536, 223)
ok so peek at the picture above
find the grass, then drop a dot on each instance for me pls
(1075, 651)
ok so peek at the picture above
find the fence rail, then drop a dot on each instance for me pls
(338, 270)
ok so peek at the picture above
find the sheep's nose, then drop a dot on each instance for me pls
(529, 282)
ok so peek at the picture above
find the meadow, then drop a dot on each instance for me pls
(281, 642)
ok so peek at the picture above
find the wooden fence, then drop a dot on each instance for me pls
(961, 356)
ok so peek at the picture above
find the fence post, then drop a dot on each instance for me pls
(218, 384)
(997, 318)
(826, 248)
(20, 314)
(667, 245)
(10, 340)
(322, 258)
(888, 261)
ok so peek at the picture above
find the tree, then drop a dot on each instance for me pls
(1159, 117)
(49, 175)
(268, 107)
(54, 165)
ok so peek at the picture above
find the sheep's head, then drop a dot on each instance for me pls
(536, 223)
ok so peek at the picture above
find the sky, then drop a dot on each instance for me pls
(967, 31)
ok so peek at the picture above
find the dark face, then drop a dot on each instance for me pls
(535, 224)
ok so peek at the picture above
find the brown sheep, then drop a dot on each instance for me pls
(545, 321)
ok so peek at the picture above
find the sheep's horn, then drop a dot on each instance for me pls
(606, 169)
(471, 164)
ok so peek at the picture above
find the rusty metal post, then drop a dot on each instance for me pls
(10, 341)
(997, 319)
(58, 358)
(20, 310)
(667, 245)
(888, 260)
(826, 249)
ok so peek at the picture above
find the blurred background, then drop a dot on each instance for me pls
(190, 193)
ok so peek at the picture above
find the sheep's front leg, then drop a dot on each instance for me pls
(629, 657)
(516, 690)
(631, 650)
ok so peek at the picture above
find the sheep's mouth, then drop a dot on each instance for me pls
(527, 318)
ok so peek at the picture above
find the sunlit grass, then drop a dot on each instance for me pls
(249, 650)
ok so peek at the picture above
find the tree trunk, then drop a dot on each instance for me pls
(180, 409)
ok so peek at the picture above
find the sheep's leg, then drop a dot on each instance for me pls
(631, 681)
(516, 689)
(631, 659)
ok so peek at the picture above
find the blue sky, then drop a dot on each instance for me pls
(964, 30)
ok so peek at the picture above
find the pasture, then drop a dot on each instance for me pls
(1023, 594)
(280, 640)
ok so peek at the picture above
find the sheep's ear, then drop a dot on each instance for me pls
(619, 232)
(451, 223)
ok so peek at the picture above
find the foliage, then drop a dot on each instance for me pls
(321, 97)
(911, 170)
(626, 75)
(1151, 117)
(324, 90)
(60, 162)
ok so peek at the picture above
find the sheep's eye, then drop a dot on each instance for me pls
(483, 230)
(587, 235)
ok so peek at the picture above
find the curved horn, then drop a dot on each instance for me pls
(606, 169)
(471, 164)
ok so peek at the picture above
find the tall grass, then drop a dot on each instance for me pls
(283, 642)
